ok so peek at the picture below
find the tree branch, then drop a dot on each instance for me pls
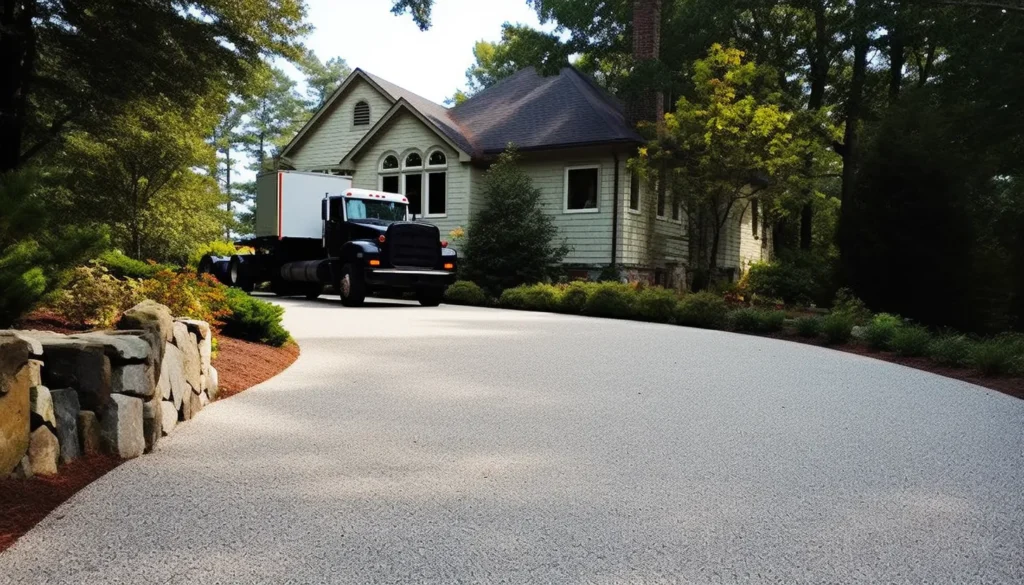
(55, 129)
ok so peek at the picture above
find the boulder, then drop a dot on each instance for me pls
(15, 402)
(151, 316)
(204, 338)
(169, 417)
(133, 379)
(42, 407)
(200, 328)
(43, 450)
(35, 372)
(121, 346)
(35, 349)
(78, 364)
(121, 427)
(23, 470)
(185, 408)
(213, 383)
(197, 404)
(89, 437)
(152, 422)
(204, 400)
(189, 346)
(66, 409)
(172, 385)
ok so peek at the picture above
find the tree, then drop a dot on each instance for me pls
(226, 140)
(272, 115)
(733, 142)
(419, 9)
(511, 241)
(141, 178)
(322, 78)
(74, 64)
(520, 47)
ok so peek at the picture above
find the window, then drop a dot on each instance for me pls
(414, 160)
(676, 207)
(361, 114)
(437, 158)
(634, 191)
(437, 193)
(581, 189)
(362, 209)
(661, 200)
(390, 163)
(389, 184)
(754, 212)
(414, 191)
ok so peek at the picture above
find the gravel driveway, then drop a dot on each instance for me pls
(412, 445)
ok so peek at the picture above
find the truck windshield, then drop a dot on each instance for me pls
(386, 210)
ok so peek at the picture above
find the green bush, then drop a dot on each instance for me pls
(809, 327)
(122, 266)
(911, 340)
(999, 356)
(464, 292)
(575, 296)
(951, 350)
(848, 304)
(611, 299)
(254, 319)
(94, 297)
(513, 298)
(656, 304)
(880, 331)
(837, 327)
(702, 309)
(799, 278)
(541, 297)
(751, 320)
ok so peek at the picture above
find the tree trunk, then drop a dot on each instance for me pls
(227, 186)
(819, 79)
(897, 55)
(851, 137)
(17, 65)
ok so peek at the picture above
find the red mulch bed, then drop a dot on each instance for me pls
(243, 364)
(43, 320)
(24, 502)
(27, 501)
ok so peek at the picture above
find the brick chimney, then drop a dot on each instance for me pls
(646, 103)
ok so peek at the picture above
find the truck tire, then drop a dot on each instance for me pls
(430, 297)
(351, 286)
(240, 274)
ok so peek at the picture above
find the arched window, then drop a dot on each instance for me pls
(361, 115)
(390, 163)
(437, 159)
(389, 177)
(413, 160)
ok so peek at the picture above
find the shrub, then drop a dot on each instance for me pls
(911, 340)
(951, 350)
(512, 298)
(575, 296)
(253, 319)
(702, 309)
(837, 327)
(540, 297)
(750, 320)
(187, 294)
(94, 297)
(796, 278)
(848, 304)
(880, 331)
(999, 356)
(611, 299)
(124, 267)
(656, 304)
(465, 292)
(808, 327)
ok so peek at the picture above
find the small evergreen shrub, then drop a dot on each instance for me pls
(611, 299)
(848, 304)
(253, 319)
(999, 356)
(575, 296)
(752, 320)
(951, 350)
(911, 340)
(94, 297)
(880, 331)
(187, 294)
(464, 292)
(122, 266)
(837, 328)
(703, 309)
(513, 298)
(656, 304)
(540, 297)
(808, 327)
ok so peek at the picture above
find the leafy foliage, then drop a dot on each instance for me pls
(464, 292)
(951, 350)
(999, 356)
(187, 294)
(837, 327)
(254, 319)
(94, 297)
(611, 299)
(511, 240)
(911, 340)
(656, 304)
(799, 278)
(703, 309)
(879, 333)
(122, 266)
(752, 320)
(808, 327)
(575, 296)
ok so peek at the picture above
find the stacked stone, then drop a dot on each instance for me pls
(113, 391)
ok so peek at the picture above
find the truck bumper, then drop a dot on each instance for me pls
(401, 278)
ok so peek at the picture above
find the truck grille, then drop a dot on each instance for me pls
(414, 245)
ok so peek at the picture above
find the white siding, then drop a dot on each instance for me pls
(739, 248)
(334, 135)
(403, 134)
(647, 240)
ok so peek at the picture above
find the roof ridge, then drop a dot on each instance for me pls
(578, 77)
(382, 81)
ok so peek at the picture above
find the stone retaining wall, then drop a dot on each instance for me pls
(118, 392)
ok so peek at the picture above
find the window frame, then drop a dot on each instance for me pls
(404, 167)
(639, 194)
(426, 192)
(659, 202)
(565, 188)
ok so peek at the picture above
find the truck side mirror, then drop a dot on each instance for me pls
(324, 212)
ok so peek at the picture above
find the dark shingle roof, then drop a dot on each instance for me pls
(529, 110)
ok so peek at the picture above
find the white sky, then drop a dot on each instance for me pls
(431, 63)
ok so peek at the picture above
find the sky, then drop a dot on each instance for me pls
(432, 63)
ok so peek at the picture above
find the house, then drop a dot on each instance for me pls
(574, 140)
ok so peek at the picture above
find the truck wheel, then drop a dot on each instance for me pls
(313, 292)
(240, 274)
(351, 286)
(430, 297)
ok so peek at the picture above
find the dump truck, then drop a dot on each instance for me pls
(314, 230)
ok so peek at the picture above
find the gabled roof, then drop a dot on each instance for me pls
(529, 110)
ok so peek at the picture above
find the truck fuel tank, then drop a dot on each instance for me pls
(307, 271)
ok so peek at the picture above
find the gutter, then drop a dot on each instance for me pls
(615, 206)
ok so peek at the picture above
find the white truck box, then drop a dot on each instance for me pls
(288, 202)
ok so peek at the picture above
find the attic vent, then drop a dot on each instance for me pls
(361, 117)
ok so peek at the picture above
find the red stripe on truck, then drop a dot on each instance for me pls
(280, 206)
